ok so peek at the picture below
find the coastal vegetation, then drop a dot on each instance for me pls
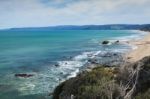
(103, 82)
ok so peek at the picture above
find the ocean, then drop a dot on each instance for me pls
(52, 57)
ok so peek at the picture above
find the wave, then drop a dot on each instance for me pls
(136, 36)
(72, 67)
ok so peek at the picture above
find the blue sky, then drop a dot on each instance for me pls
(40, 13)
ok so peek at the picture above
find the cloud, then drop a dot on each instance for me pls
(33, 13)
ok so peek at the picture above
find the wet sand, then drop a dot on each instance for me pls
(142, 50)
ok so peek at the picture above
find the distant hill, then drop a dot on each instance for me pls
(146, 27)
(85, 27)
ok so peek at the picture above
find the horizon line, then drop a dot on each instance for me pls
(70, 25)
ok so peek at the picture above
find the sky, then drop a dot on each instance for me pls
(41, 13)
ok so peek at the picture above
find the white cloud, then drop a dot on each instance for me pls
(30, 13)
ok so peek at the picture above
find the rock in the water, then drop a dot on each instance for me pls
(23, 75)
(105, 42)
(115, 54)
(57, 65)
(92, 61)
(117, 41)
(50, 94)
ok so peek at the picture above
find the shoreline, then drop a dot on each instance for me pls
(142, 49)
(94, 80)
(129, 57)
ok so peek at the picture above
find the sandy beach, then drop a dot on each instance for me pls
(142, 50)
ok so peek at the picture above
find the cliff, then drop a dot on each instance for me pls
(103, 82)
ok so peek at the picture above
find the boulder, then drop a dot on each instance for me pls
(105, 42)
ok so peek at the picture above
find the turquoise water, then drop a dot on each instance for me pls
(37, 52)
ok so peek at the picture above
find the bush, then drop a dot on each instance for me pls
(98, 83)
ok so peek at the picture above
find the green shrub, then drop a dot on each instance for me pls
(99, 83)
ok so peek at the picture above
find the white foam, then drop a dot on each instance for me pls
(84, 55)
(73, 74)
(127, 38)
(141, 32)
(136, 36)
(94, 41)
(26, 86)
(120, 50)
(78, 61)
(134, 47)
(67, 64)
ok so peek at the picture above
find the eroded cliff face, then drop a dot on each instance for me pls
(135, 78)
(125, 82)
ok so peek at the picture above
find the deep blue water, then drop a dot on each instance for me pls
(37, 52)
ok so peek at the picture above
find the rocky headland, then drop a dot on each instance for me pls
(128, 80)
(102, 82)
